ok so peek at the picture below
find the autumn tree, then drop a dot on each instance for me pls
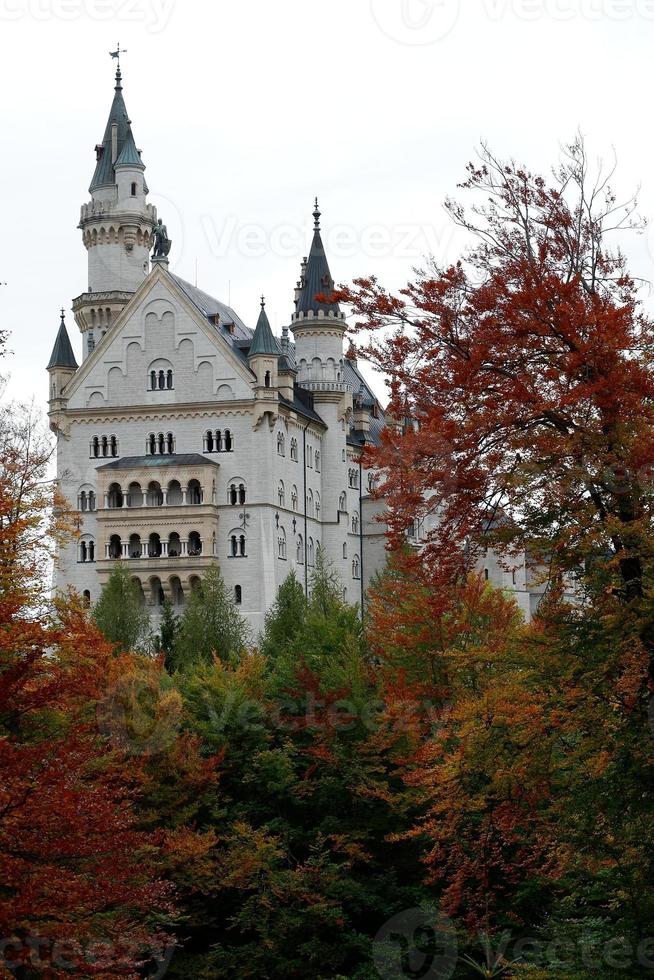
(521, 384)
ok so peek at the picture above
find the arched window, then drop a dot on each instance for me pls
(372, 482)
(169, 379)
(82, 501)
(115, 547)
(115, 496)
(342, 502)
(95, 447)
(228, 442)
(355, 523)
(241, 545)
(237, 544)
(114, 446)
(87, 599)
(310, 551)
(241, 493)
(151, 446)
(174, 545)
(345, 549)
(175, 496)
(194, 493)
(153, 380)
(299, 555)
(133, 188)
(309, 458)
(91, 550)
(218, 441)
(135, 549)
(170, 443)
(354, 477)
(105, 446)
(161, 443)
(281, 494)
(310, 503)
(317, 506)
(356, 567)
(294, 498)
(208, 441)
(266, 379)
(294, 449)
(194, 545)
(281, 543)
(317, 461)
(238, 595)
(155, 494)
(154, 546)
(83, 551)
(280, 444)
(162, 380)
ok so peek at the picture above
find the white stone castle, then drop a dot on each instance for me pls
(186, 440)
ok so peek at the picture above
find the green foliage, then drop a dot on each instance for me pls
(211, 625)
(120, 614)
(168, 631)
(285, 619)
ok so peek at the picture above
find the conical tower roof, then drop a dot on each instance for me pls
(264, 341)
(126, 148)
(62, 353)
(317, 278)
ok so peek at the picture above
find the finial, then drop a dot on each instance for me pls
(316, 217)
(263, 302)
(63, 314)
(116, 54)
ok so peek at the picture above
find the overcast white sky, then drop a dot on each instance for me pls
(245, 110)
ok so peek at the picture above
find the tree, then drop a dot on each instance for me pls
(524, 378)
(81, 890)
(168, 631)
(211, 625)
(286, 618)
(119, 612)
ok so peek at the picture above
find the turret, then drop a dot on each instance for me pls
(264, 358)
(61, 368)
(116, 226)
(318, 325)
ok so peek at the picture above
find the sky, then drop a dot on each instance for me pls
(246, 110)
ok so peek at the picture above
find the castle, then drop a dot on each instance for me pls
(187, 440)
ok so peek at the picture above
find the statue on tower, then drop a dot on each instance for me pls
(162, 242)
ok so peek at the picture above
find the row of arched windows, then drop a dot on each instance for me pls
(353, 478)
(313, 503)
(160, 445)
(86, 550)
(156, 547)
(313, 459)
(218, 441)
(86, 500)
(103, 446)
(154, 495)
(161, 380)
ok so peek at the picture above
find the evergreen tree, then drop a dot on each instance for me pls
(211, 624)
(168, 632)
(119, 612)
(285, 619)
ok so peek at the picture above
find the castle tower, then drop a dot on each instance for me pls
(61, 369)
(116, 226)
(318, 327)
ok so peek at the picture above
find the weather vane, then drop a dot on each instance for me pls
(117, 53)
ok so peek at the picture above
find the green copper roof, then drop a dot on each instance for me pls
(263, 341)
(129, 155)
(62, 352)
(104, 170)
(317, 278)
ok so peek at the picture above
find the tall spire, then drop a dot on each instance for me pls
(62, 353)
(316, 278)
(118, 146)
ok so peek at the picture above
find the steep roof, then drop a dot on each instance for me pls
(62, 353)
(317, 278)
(105, 168)
(263, 341)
